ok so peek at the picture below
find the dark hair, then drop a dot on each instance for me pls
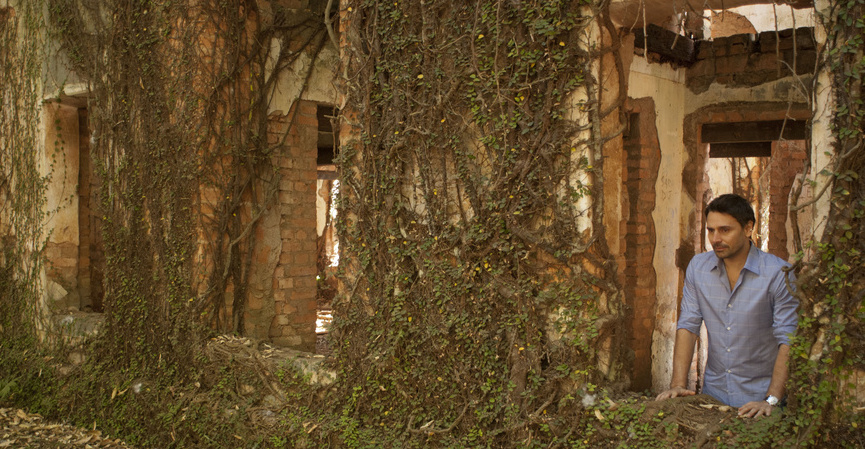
(733, 205)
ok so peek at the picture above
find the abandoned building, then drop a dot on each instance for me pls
(718, 100)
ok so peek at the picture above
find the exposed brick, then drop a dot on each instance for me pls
(286, 282)
(302, 271)
(254, 302)
(308, 108)
(302, 294)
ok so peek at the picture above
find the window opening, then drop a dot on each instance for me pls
(327, 189)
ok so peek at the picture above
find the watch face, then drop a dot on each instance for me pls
(772, 400)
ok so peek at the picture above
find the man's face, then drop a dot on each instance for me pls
(728, 238)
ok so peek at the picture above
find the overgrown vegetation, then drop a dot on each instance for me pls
(479, 290)
(22, 213)
(479, 307)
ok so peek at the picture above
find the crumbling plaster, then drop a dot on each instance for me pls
(59, 166)
(666, 86)
(297, 83)
(781, 17)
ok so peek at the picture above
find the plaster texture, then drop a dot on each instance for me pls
(666, 86)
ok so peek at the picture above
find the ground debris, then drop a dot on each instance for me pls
(19, 429)
(697, 418)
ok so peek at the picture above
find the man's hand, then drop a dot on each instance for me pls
(676, 392)
(755, 409)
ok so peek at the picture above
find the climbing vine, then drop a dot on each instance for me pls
(829, 343)
(479, 301)
(179, 113)
(22, 214)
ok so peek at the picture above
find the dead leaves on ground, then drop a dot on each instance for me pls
(19, 429)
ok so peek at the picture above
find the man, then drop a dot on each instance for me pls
(741, 294)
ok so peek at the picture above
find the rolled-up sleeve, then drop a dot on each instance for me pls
(785, 317)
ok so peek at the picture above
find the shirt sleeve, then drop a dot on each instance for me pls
(690, 317)
(784, 308)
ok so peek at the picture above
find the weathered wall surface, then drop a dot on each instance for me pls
(282, 288)
(752, 60)
(60, 165)
(282, 296)
(666, 86)
(307, 79)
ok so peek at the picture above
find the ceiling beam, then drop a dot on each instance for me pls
(766, 131)
(742, 149)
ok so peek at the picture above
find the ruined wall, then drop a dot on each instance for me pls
(282, 293)
(665, 85)
(747, 60)
(734, 79)
(642, 153)
(788, 161)
(294, 275)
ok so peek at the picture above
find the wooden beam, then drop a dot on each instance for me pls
(671, 46)
(754, 131)
(741, 149)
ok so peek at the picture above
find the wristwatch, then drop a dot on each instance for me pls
(772, 400)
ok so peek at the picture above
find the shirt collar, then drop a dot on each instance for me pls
(752, 263)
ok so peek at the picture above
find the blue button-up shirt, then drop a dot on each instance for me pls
(745, 326)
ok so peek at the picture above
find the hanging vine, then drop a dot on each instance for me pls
(479, 296)
(479, 305)
(180, 114)
(22, 213)
(829, 348)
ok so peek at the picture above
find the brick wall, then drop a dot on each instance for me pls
(643, 157)
(294, 283)
(788, 160)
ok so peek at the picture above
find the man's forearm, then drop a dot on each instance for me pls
(780, 372)
(683, 354)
